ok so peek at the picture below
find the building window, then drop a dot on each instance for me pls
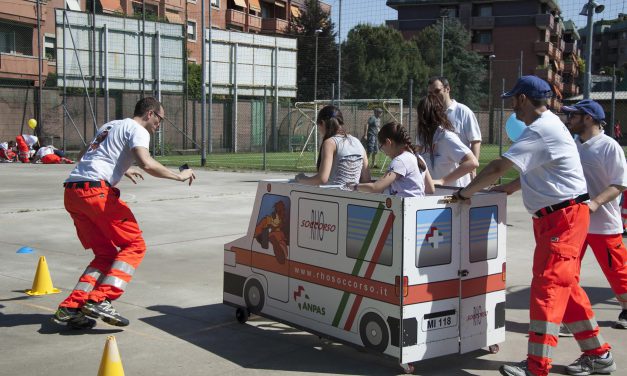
(482, 37)
(16, 39)
(482, 10)
(191, 31)
(450, 12)
(50, 44)
(215, 3)
(152, 11)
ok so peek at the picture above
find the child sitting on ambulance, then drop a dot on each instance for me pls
(407, 175)
(342, 159)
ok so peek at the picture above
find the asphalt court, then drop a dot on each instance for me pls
(178, 322)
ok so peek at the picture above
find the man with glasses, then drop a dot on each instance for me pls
(105, 223)
(462, 117)
(604, 167)
(554, 191)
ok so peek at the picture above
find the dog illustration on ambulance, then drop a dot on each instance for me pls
(412, 278)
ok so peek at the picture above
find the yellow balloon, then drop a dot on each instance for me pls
(32, 123)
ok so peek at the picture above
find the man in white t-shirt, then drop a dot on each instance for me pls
(554, 191)
(462, 117)
(105, 223)
(604, 167)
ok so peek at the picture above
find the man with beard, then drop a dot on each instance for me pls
(554, 191)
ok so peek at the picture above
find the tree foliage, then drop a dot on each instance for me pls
(378, 63)
(313, 18)
(465, 69)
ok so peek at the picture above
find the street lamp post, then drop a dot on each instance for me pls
(317, 32)
(588, 10)
(490, 95)
(443, 15)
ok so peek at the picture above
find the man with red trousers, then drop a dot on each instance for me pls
(554, 191)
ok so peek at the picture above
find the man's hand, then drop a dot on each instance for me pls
(593, 206)
(133, 174)
(188, 174)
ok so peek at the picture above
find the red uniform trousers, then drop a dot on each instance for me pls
(7, 154)
(22, 149)
(104, 223)
(612, 257)
(623, 211)
(556, 296)
(55, 159)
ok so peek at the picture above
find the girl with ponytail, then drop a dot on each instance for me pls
(342, 159)
(407, 175)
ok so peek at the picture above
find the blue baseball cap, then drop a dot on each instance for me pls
(532, 86)
(588, 106)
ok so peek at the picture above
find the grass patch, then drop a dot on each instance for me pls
(286, 161)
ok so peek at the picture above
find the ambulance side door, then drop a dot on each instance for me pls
(482, 320)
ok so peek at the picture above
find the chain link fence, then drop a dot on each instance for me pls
(282, 60)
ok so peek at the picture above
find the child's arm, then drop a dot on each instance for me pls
(378, 186)
(429, 185)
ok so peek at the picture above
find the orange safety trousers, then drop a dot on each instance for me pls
(105, 224)
(23, 149)
(556, 296)
(612, 257)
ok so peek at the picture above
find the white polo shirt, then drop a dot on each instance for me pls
(546, 157)
(448, 151)
(603, 162)
(464, 121)
(109, 155)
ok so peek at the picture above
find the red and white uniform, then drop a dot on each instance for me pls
(604, 164)
(551, 173)
(47, 156)
(103, 222)
(6, 154)
(24, 144)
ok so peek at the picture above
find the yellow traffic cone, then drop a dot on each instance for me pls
(42, 284)
(111, 363)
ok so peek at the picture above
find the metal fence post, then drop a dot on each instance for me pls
(264, 143)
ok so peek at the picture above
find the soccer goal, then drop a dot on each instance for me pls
(356, 114)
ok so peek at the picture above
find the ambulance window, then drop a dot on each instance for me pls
(318, 225)
(483, 233)
(364, 228)
(433, 237)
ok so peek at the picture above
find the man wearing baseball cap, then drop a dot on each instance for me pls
(605, 170)
(554, 191)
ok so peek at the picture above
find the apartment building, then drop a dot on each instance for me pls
(609, 40)
(572, 60)
(530, 31)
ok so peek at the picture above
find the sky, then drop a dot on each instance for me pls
(376, 12)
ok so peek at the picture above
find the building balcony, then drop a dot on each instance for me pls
(235, 17)
(545, 21)
(572, 68)
(22, 11)
(545, 73)
(23, 67)
(483, 48)
(274, 25)
(176, 5)
(612, 43)
(544, 48)
(560, 44)
(482, 23)
(254, 23)
(570, 90)
(571, 48)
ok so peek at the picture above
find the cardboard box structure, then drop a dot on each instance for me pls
(412, 278)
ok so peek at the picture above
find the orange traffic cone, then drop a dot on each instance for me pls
(111, 363)
(42, 284)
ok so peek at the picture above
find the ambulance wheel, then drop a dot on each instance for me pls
(493, 349)
(373, 331)
(241, 314)
(408, 368)
(254, 296)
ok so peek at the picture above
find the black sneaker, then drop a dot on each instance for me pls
(621, 323)
(105, 311)
(73, 317)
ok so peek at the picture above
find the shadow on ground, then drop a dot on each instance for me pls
(267, 345)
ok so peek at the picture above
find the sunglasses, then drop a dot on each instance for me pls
(158, 116)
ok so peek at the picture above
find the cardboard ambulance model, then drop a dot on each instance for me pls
(412, 278)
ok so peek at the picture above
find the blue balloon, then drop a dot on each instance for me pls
(514, 127)
(25, 250)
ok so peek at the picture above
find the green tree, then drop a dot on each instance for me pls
(314, 18)
(465, 69)
(193, 80)
(378, 63)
